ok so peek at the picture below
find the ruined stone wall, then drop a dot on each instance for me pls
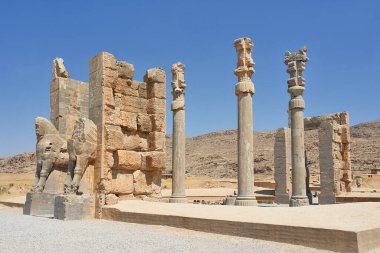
(68, 102)
(335, 161)
(130, 117)
(334, 157)
(282, 166)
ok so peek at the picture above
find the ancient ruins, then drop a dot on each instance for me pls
(179, 135)
(244, 90)
(105, 142)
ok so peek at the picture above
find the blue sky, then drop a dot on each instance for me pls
(342, 74)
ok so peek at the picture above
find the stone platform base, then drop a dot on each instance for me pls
(74, 207)
(39, 204)
(322, 227)
(58, 206)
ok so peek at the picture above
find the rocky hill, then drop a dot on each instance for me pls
(215, 154)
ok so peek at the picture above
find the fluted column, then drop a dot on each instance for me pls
(296, 86)
(244, 90)
(179, 135)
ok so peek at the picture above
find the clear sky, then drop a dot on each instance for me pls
(342, 74)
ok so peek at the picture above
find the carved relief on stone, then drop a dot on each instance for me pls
(59, 69)
(50, 149)
(296, 83)
(82, 152)
(179, 86)
(245, 63)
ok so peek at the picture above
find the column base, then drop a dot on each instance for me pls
(178, 199)
(282, 198)
(296, 201)
(246, 201)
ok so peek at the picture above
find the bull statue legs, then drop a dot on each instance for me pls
(82, 152)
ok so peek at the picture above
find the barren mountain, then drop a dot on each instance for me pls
(215, 154)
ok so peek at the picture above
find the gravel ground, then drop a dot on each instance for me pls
(19, 233)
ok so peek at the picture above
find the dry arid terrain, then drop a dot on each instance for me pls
(214, 154)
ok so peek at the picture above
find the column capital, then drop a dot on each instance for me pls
(244, 69)
(179, 86)
(296, 63)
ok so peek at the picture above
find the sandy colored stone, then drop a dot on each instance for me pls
(111, 199)
(156, 141)
(127, 160)
(144, 123)
(128, 120)
(108, 96)
(59, 69)
(143, 93)
(122, 183)
(112, 116)
(125, 70)
(156, 106)
(156, 160)
(133, 104)
(156, 90)
(155, 75)
(135, 142)
(147, 183)
(158, 123)
(114, 137)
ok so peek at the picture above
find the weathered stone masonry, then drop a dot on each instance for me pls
(130, 116)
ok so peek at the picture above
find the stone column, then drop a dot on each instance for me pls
(179, 135)
(296, 85)
(244, 90)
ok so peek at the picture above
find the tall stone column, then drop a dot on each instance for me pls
(244, 90)
(179, 135)
(296, 85)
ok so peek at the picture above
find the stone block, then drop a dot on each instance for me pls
(122, 183)
(144, 123)
(112, 116)
(155, 75)
(156, 90)
(132, 89)
(156, 141)
(125, 70)
(74, 207)
(111, 199)
(102, 61)
(135, 142)
(344, 118)
(110, 159)
(120, 86)
(129, 120)
(114, 137)
(156, 106)
(156, 161)
(143, 93)
(127, 160)
(39, 204)
(158, 122)
(147, 183)
(108, 96)
(133, 104)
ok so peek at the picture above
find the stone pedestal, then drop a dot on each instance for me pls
(179, 135)
(296, 86)
(282, 165)
(74, 207)
(39, 204)
(244, 90)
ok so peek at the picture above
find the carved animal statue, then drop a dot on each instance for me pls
(82, 152)
(50, 149)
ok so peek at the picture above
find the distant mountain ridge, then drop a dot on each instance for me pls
(215, 154)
